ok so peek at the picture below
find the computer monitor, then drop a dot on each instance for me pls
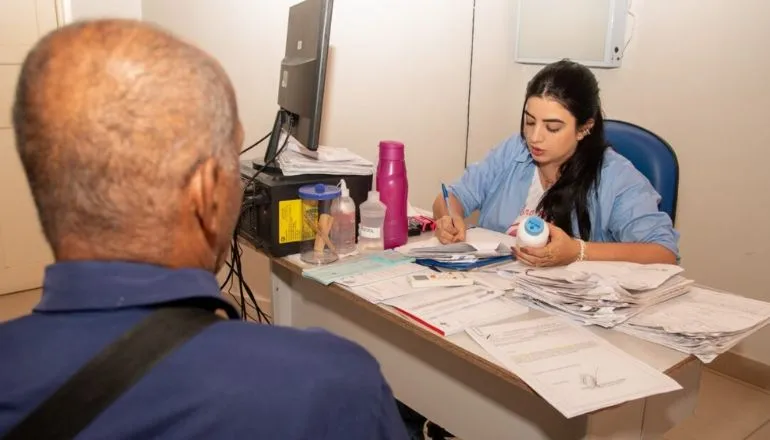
(303, 75)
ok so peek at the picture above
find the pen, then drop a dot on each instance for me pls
(446, 200)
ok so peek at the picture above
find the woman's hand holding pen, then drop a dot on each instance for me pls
(450, 229)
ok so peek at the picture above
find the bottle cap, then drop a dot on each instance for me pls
(319, 191)
(533, 232)
(391, 150)
(534, 225)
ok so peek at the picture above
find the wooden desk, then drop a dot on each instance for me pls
(456, 384)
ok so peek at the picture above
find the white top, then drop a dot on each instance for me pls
(534, 196)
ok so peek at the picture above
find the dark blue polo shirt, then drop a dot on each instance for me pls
(234, 380)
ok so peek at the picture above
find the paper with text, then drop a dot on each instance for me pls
(449, 310)
(630, 276)
(389, 288)
(479, 243)
(604, 293)
(574, 370)
(703, 322)
(354, 266)
(385, 273)
(487, 312)
(705, 311)
(492, 280)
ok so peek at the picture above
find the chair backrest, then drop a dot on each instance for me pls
(651, 155)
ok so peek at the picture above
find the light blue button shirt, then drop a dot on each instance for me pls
(625, 209)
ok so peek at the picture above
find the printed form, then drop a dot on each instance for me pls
(385, 284)
(574, 370)
(452, 310)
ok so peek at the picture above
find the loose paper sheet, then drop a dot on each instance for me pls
(574, 370)
(452, 310)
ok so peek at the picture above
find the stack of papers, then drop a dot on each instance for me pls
(297, 160)
(480, 246)
(570, 367)
(461, 251)
(703, 323)
(444, 310)
(601, 293)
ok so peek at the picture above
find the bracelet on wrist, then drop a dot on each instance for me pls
(582, 254)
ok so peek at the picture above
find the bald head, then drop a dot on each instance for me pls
(113, 119)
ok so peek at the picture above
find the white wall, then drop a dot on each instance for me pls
(83, 9)
(695, 73)
(397, 70)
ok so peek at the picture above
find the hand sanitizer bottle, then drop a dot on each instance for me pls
(370, 233)
(344, 230)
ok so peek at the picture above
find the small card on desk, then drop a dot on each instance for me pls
(440, 279)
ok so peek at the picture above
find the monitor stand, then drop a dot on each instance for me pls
(273, 168)
(274, 146)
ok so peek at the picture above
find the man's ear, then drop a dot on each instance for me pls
(206, 199)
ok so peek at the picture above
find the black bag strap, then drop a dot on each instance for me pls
(111, 372)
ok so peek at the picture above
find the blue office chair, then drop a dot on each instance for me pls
(651, 155)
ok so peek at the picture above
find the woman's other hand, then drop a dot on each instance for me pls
(560, 250)
(450, 229)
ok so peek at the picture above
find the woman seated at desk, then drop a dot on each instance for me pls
(560, 167)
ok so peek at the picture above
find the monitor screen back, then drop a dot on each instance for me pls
(303, 69)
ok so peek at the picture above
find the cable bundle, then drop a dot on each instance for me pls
(234, 263)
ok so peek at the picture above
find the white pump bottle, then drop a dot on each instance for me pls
(343, 210)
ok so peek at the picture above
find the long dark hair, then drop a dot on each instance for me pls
(575, 87)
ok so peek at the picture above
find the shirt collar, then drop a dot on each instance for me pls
(523, 155)
(101, 285)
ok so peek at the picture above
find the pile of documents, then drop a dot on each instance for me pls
(460, 252)
(573, 369)
(601, 293)
(481, 247)
(703, 323)
(446, 311)
(297, 160)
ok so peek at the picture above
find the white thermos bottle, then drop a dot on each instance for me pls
(532, 233)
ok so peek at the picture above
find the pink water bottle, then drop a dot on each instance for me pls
(394, 190)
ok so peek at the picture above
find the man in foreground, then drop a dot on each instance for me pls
(129, 138)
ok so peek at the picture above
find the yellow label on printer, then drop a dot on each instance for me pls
(291, 215)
